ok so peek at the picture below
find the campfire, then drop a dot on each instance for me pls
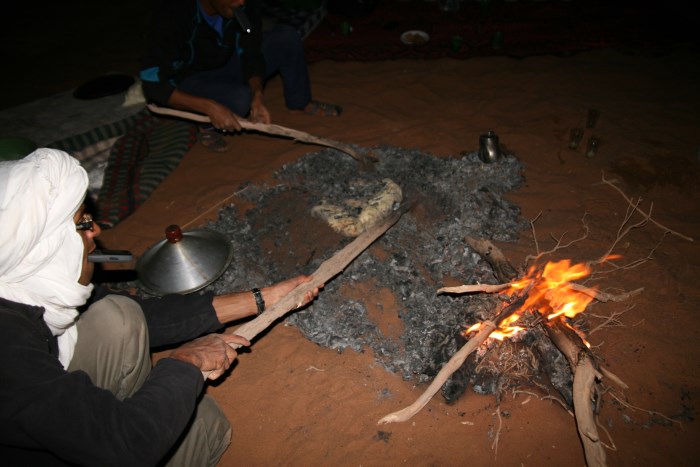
(548, 291)
(547, 298)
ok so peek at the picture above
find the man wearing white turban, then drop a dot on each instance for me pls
(77, 386)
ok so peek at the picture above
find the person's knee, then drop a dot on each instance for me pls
(121, 316)
(218, 426)
(206, 438)
(113, 345)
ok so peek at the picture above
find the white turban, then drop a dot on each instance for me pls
(40, 250)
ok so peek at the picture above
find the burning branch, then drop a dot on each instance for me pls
(485, 330)
(502, 269)
(486, 288)
(605, 297)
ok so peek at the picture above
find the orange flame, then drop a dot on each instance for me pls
(550, 294)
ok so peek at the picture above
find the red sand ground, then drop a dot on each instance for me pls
(294, 403)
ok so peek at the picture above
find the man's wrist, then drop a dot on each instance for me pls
(259, 301)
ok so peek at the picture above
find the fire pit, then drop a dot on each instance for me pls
(386, 300)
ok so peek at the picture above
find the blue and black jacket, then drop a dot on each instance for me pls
(181, 42)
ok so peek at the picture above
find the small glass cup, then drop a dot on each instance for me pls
(592, 148)
(575, 138)
(592, 118)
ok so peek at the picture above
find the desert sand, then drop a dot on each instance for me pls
(292, 402)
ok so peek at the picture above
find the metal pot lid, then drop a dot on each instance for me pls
(184, 262)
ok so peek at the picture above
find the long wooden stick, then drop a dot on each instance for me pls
(586, 374)
(277, 130)
(453, 364)
(325, 272)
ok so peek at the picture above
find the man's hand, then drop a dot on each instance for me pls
(213, 354)
(274, 293)
(260, 114)
(258, 111)
(222, 118)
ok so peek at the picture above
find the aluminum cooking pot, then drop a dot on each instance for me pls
(184, 262)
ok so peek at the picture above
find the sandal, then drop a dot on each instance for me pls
(212, 140)
(322, 109)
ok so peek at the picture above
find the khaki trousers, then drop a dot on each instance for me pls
(113, 349)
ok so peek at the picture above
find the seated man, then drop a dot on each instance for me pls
(201, 58)
(79, 388)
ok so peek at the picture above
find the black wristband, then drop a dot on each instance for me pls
(258, 299)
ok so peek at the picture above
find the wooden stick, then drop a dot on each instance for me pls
(502, 268)
(487, 327)
(454, 363)
(277, 130)
(325, 272)
(602, 296)
(586, 374)
(469, 288)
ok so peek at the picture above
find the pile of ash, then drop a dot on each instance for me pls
(413, 332)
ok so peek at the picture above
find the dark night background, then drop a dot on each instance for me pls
(50, 47)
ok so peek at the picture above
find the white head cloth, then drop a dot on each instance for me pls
(40, 250)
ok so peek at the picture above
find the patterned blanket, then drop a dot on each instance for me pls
(128, 159)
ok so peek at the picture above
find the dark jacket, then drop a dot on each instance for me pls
(49, 416)
(181, 42)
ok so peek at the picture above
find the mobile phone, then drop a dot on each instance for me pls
(110, 256)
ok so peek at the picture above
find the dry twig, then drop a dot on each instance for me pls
(632, 203)
(559, 242)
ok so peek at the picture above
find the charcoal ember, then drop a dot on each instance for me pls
(458, 382)
(356, 331)
(486, 381)
(450, 198)
(552, 362)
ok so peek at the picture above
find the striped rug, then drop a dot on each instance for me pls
(134, 156)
